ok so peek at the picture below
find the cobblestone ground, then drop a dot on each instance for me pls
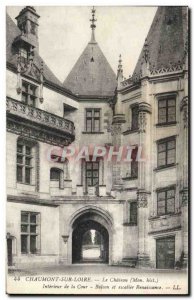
(87, 269)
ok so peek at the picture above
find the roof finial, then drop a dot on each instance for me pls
(120, 63)
(119, 72)
(120, 68)
(93, 26)
(146, 51)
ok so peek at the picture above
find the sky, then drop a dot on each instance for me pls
(64, 32)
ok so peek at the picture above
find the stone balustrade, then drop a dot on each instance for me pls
(39, 116)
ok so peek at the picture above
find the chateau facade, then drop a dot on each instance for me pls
(139, 208)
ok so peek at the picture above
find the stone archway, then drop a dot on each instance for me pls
(80, 229)
(85, 219)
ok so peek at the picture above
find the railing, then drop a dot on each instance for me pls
(37, 115)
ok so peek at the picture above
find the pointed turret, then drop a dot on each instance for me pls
(92, 76)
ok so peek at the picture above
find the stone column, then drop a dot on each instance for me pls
(116, 166)
(142, 204)
(184, 112)
(144, 177)
(184, 191)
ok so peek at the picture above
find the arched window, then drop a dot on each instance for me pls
(58, 176)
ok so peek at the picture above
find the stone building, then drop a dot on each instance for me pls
(139, 208)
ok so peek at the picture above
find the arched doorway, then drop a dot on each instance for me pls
(90, 240)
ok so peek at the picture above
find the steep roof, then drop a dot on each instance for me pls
(12, 31)
(166, 39)
(91, 76)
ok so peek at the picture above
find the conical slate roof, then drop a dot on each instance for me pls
(166, 38)
(92, 76)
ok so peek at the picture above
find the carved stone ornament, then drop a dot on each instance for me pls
(184, 102)
(65, 238)
(184, 198)
(146, 51)
(142, 121)
(142, 200)
(144, 106)
(116, 129)
(29, 68)
(37, 134)
(42, 81)
(166, 69)
(184, 109)
(185, 116)
(19, 90)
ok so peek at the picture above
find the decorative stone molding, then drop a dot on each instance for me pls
(153, 70)
(131, 80)
(65, 238)
(9, 236)
(145, 62)
(145, 107)
(116, 129)
(142, 121)
(37, 168)
(167, 69)
(142, 200)
(36, 115)
(118, 118)
(184, 109)
(186, 48)
(184, 102)
(165, 223)
(42, 81)
(127, 82)
(28, 67)
(184, 193)
(37, 134)
(146, 55)
(185, 116)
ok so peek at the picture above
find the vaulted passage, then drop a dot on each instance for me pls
(90, 241)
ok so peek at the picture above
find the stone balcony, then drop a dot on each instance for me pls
(38, 124)
(165, 223)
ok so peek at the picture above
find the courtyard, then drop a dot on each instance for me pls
(88, 269)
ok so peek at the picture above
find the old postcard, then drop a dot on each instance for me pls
(97, 150)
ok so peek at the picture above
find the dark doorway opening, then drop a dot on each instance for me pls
(9, 252)
(165, 253)
(90, 242)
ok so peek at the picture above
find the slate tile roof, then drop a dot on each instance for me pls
(166, 38)
(91, 75)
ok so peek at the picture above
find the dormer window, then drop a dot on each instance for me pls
(23, 55)
(29, 93)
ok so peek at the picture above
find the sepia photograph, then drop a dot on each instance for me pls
(97, 150)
